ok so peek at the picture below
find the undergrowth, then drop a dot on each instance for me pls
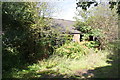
(62, 66)
(72, 50)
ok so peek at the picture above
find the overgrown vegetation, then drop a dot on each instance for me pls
(62, 66)
(72, 50)
(32, 48)
(99, 22)
(27, 36)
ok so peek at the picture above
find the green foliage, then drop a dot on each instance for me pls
(87, 4)
(27, 36)
(85, 37)
(55, 38)
(92, 44)
(88, 30)
(56, 65)
(23, 39)
(26, 30)
(103, 22)
(85, 29)
(17, 20)
(114, 46)
(72, 50)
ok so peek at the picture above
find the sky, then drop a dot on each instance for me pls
(65, 10)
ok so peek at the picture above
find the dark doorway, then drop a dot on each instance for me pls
(81, 37)
(90, 38)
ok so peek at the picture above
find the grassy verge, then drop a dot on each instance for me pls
(57, 66)
(62, 66)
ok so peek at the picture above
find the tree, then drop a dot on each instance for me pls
(87, 3)
(103, 19)
(23, 31)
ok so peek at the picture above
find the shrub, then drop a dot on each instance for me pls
(92, 44)
(72, 50)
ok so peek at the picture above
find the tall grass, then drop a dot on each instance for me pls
(58, 65)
